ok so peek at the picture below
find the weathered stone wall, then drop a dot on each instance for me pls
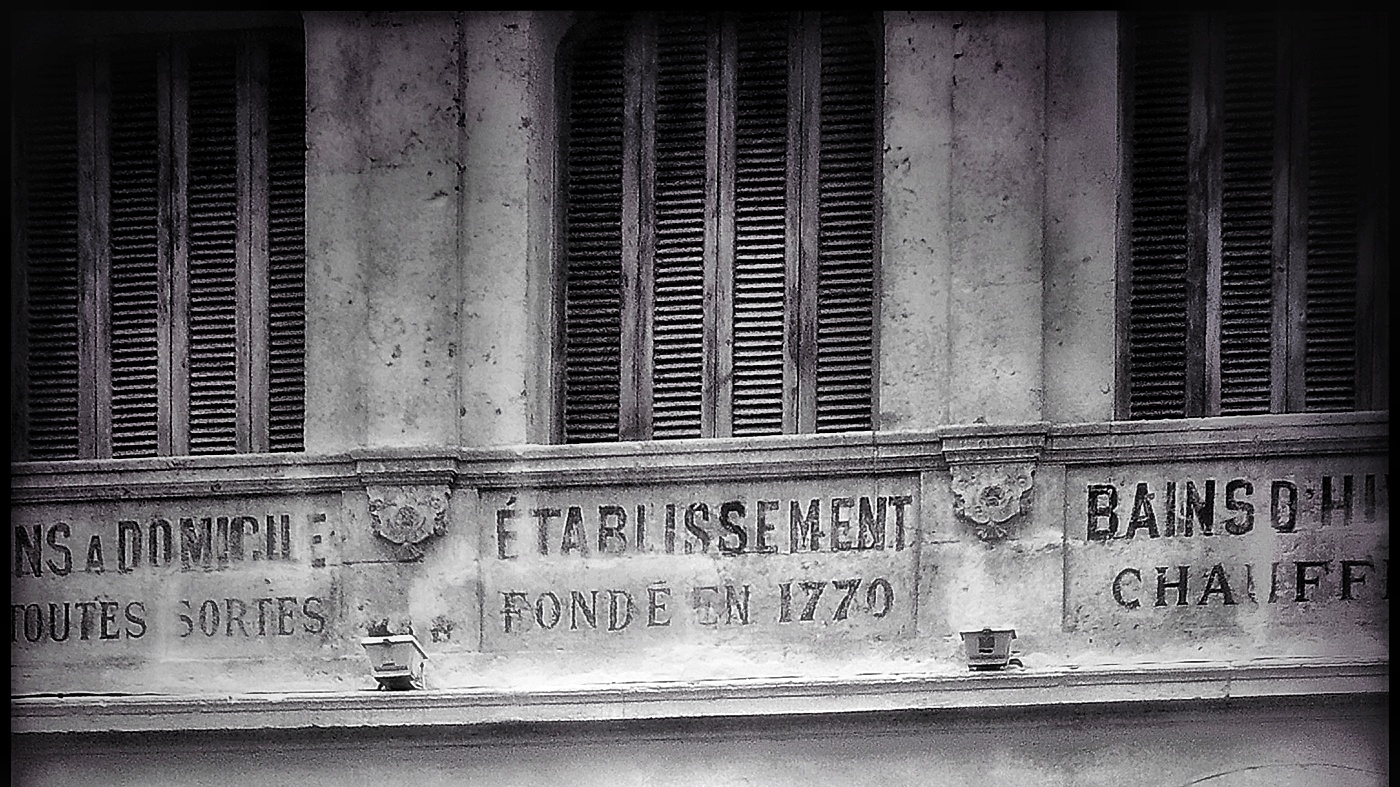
(1229, 559)
(383, 195)
(430, 171)
(1145, 546)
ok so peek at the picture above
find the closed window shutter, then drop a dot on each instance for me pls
(681, 215)
(1254, 220)
(286, 247)
(1157, 235)
(162, 274)
(1335, 138)
(593, 240)
(764, 228)
(134, 209)
(850, 86)
(731, 290)
(51, 248)
(213, 256)
(1250, 98)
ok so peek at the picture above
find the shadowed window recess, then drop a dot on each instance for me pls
(1256, 214)
(720, 227)
(160, 283)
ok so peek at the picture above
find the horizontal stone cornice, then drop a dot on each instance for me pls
(707, 461)
(976, 444)
(680, 461)
(1206, 439)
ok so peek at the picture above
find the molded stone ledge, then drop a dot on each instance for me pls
(424, 469)
(975, 444)
(747, 459)
(179, 477)
(1119, 685)
(1191, 439)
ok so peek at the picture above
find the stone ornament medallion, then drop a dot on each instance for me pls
(989, 497)
(407, 516)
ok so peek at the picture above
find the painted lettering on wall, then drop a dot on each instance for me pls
(1301, 515)
(724, 528)
(106, 620)
(58, 553)
(1209, 507)
(196, 543)
(1295, 581)
(659, 605)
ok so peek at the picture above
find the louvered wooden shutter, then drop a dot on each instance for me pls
(593, 239)
(212, 212)
(134, 204)
(731, 291)
(765, 229)
(1247, 221)
(681, 212)
(850, 86)
(1157, 235)
(50, 211)
(163, 251)
(1256, 122)
(286, 245)
(1335, 139)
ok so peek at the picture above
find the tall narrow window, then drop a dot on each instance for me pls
(720, 228)
(160, 285)
(1258, 203)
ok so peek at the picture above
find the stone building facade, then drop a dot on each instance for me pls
(1206, 595)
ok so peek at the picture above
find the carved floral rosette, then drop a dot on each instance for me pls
(407, 516)
(989, 497)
